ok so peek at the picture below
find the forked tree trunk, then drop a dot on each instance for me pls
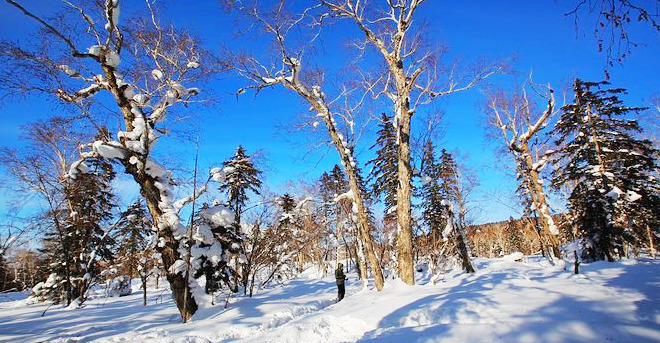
(170, 249)
(184, 299)
(317, 101)
(548, 228)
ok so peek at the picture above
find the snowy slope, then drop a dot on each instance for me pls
(503, 301)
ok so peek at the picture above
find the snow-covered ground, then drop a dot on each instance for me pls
(504, 301)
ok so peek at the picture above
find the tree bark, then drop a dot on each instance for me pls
(403, 211)
(184, 299)
(317, 101)
(550, 240)
(651, 246)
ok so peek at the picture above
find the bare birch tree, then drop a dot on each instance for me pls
(289, 74)
(40, 171)
(411, 78)
(76, 72)
(519, 123)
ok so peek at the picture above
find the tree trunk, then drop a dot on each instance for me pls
(463, 246)
(651, 246)
(548, 228)
(365, 234)
(363, 273)
(144, 291)
(403, 195)
(170, 250)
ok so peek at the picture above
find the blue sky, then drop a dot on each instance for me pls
(536, 34)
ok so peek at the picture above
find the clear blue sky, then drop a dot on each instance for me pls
(535, 32)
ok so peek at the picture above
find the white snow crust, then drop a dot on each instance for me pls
(504, 301)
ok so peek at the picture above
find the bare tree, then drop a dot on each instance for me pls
(8, 240)
(289, 75)
(519, 122)
(143, 97)
(411, 78)
(613, 22)
(40, 171)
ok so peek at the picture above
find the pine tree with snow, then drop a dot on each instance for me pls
(384, 171)
(134, 231)
(287, 226)
(287, 203)
(90, 205)
(339, 211)
(615, 194)
(327, 193)
(454, 207)
(241, 177)
(216, 246)
(331, 186)
(514, 236)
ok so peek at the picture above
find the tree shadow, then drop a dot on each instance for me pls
(465, 312)
(99, 318)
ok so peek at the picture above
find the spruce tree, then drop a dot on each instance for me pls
(215, 250)
(615, 195)
(384, 171)
(448, 174)
(90, 205)
(454, 200)
(288, 221)
(514, 236)
(431, 190)
(133, 235)
(332, 185)
(241, 176)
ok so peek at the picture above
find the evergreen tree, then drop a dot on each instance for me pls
(616, 195)
(90, 207)
(514, 236)
(288, 221)
(448, 174)
(134, 231)
(326, 193)
(331, 186)
(384, 171)
(454, 199)
(215, 246)
(241, 176)
(432, 191)
(287, 226)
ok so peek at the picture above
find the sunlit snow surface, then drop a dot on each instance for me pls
(504, 301)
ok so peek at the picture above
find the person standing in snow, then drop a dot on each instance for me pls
(339, 275)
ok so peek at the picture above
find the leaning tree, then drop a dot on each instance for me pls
(145, 70)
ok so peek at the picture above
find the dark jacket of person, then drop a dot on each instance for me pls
(339, 275)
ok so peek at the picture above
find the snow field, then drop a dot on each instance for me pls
(504, 301)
